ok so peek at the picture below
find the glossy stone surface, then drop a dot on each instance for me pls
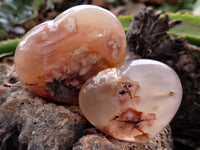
(133, 102)
(56, 57)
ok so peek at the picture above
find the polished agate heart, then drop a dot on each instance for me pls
(133, 102)
(55, 58)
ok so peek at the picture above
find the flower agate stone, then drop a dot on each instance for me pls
(133, 102)
(55, 58)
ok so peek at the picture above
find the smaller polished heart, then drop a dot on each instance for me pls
(133, 102)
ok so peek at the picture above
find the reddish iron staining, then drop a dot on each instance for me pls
(127, 89)
(149, 116)
(130, 116)
(142, 137)
(135, 118)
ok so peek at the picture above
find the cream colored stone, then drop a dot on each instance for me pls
(134, 102)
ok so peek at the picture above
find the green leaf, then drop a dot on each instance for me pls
(8, 8)
(125, 21)
(189, 28)
(8, 46)
(6, 55)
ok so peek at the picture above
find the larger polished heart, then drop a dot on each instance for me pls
(56, 57)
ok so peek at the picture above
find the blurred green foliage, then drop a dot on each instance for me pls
(16, 12)
(196, 7)
(47, 4)
(186, 5)
(13, 12)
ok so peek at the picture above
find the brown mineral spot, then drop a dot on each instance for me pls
(172, 94)
(127, 89)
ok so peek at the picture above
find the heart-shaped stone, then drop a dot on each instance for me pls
(133, 102)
